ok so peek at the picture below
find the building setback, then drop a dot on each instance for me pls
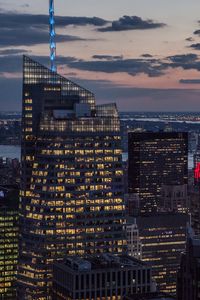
(72, 179)
(156, 159)
(100, 277)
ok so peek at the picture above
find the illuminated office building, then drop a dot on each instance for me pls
(156, 159)
(71, 186)
(9, 238)
(163, 239)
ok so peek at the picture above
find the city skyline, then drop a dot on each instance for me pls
(155, 67)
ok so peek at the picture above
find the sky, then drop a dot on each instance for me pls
(142, 54)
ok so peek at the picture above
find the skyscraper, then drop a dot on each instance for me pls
(156, 159)
(71, 186)
(9, 240)
(189, 273)
(163, 238)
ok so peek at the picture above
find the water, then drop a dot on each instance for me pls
(10, 151)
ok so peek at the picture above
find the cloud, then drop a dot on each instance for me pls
(25, 5)
(197, 32)
(13, 51)
(146, 55)
(188, 61)
(108, 57)
(195, 46)
(131, 23)
(183, 58)
(189, 81)
(30, 37)
(147, 65)
(9, 19)
(27, 30)
(106, 63)
(189, 39)
(152, 67)
(109, 63)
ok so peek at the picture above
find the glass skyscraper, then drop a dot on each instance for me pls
(72, 179)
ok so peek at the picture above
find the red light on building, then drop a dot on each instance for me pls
(197, 172)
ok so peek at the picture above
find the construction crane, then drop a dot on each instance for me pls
(52, 36)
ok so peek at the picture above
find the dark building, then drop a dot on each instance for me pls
(101, 277)
(9, 171)
(156, 158)
(163, 239)
(188, 282)
(195, 208)
(194, 193)
(9, 240)
(72, 178)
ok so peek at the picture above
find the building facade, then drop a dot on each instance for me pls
(134, 242)
(163, 239)
(188, 282)
(156, 159)
(72, 179)
(9, 241)
(100, 277)
(174, 198)
(194, 194)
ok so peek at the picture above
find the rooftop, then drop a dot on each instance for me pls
(102, 261)
(150, 296)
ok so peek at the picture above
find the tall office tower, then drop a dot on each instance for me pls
(71, 186)
(9, 241)
(189, 273)
(163, 239)
(156, 158)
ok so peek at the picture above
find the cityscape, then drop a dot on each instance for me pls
(99, 157)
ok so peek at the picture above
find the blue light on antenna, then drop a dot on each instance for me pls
(52, 36)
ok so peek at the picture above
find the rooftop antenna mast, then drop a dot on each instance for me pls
(52, 36)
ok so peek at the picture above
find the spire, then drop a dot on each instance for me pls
(52, 36)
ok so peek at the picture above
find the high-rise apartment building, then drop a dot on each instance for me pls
(71, 185)
(9, 241)
(156, 159)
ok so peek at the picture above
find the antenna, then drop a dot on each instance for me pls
(52, 36)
